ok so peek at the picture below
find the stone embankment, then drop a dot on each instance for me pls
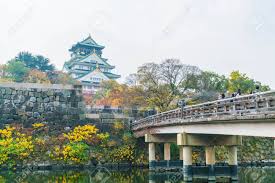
(31, 102)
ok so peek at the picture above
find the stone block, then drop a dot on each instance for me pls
(8, 91)
(32, 99)
(46, 100)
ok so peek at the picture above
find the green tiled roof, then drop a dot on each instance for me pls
(87, 42)
(91, 59)
(111, 75)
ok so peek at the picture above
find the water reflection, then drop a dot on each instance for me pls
(257, 175)
(103, 175)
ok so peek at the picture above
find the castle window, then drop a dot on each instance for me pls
(96, 79)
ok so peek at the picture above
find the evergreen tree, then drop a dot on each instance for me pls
(37, 62)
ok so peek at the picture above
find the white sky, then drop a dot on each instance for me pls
(216, 35)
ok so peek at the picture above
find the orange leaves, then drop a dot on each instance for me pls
(115, 94)
(36, 76)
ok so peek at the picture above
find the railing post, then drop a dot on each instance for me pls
(267, 104)
(256, 103)
(224, 108)
(216, 109)
(233, 111)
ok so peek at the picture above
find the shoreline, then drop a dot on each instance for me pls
(121, 166)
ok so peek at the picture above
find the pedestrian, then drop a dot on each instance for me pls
(238, 93)
(257, 89)
(182, 104)
(222, 96)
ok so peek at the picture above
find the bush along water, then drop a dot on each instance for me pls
(81, 145)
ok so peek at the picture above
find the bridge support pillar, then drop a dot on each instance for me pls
(181, 152)
(187, 163)
(210, 162)
(167, 155)
(233, 162)
(152, 154)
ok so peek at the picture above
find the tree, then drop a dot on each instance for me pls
(59, 77)
(3, 71)
(4, 74)
(134, 97)
(132, 80)
(210, 81)
(16, 70)
(36, 76)
(178, 76)
(111, 93)
(208, 86)
(165, 82)
(37, 62)
(241, 81)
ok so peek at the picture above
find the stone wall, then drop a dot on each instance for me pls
(252, 149)
(256, 148)
(31, 102)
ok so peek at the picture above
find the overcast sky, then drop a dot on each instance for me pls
(216, 35)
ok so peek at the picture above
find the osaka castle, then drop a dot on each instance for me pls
(88, 66)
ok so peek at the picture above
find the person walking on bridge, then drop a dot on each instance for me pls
(182, 104)
(238, 93)
(222, 96)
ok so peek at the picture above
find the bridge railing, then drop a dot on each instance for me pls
(236, 106)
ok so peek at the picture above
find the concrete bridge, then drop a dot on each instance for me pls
(221, 122)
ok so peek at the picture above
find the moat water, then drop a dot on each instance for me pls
(103, 175)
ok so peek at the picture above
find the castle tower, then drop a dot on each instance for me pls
(87, 65)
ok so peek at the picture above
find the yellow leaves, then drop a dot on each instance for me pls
(81, 133)
(5, 142)
(103, 136)
(118, 125)
(14, 145)
(123, 153)
(24, 154)
(7, 133)
(195, 156)
(38, 125)
(77, 149)
(39, 141)
(3, 158)
(66, 151)
(112, 143)
(76, 152)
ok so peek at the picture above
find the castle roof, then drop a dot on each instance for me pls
(88, 42)
(89, 59)
(97, 73)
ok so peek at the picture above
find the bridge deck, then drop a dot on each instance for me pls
(255, 108)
